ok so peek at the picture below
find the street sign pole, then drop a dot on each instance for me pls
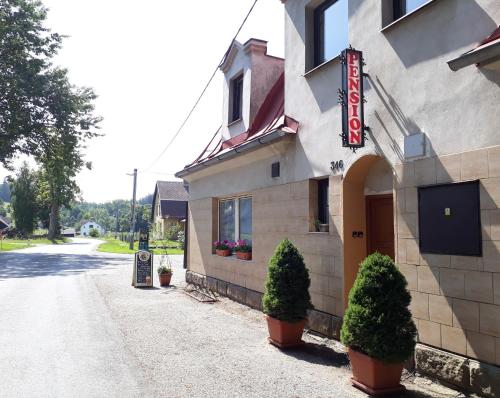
(132, 221)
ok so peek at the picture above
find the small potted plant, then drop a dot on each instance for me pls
(243, 250)
(321, 227)
(286, 298)
(165, 274)
(378, 328)
(223, 248)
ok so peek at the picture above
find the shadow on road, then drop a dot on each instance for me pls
(29, 265)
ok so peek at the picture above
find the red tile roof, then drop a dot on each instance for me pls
(269, 118)
(495, 35)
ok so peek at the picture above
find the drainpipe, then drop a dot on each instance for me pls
(186, 236)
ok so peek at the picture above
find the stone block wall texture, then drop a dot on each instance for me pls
(279, 211)
(320, 322)
(455, 299)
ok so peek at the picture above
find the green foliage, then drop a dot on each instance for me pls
(143, 216)
(377, 321)
(24, 205)
(3, 208)
(287, 287)
(60, 154)
(164, 269)
(41, 113)
(173, 232)
(112, 216)
(116, 246)
(5, 191)
(181, 240)
(26, 49)
(94, 233)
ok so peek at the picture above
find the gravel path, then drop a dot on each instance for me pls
(72, 325)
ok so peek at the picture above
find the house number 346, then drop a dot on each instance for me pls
(337, 165)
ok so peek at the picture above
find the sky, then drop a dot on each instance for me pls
(148, 61)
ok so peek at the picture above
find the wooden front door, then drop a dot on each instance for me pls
(380, 224)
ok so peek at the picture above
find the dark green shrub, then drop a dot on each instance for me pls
(172, 232)
(377, 321)
(287, 287)
(94, 233)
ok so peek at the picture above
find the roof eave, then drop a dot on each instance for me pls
(479, 55)
(244, 148)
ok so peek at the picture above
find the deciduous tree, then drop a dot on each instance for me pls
(71, 121)
(26, 49)
(24, 205)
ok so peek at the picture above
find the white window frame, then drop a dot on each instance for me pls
(236, 214)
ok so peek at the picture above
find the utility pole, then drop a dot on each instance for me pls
(117, 225)
(132, 221)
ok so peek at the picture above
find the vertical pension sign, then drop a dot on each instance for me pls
(352, 99)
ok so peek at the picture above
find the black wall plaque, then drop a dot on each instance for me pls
(449, 219)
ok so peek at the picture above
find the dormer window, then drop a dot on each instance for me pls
(236, 99)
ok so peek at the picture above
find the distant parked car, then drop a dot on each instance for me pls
(68, 232)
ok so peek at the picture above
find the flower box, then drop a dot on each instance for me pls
(244, 256)
(223, 253)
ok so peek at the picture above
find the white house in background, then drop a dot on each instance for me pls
(89, 225)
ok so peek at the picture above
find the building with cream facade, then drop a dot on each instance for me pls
(432, 90)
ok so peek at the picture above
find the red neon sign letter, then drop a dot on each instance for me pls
(354, 98)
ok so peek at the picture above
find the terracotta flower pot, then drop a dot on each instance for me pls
(223, 253)
(374, 376)
(285, 334)
(165, 279)
(324, 227)
(244, 256)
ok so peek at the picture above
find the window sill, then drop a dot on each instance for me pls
(321, 66)
(406, 16)
(233, 258)
(318, 233)
(234, 122)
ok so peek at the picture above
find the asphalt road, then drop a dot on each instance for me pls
(56, 334)
(72, 326)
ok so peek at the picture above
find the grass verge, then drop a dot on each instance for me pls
(117, 246)
(16, 244)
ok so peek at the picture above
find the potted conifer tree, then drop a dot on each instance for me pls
(377, 327)
(286, 298)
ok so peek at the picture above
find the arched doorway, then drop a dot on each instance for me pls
(368, 214)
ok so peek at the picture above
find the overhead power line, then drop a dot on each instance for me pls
(202, 92)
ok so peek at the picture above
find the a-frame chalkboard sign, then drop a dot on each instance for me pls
(143, 269)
